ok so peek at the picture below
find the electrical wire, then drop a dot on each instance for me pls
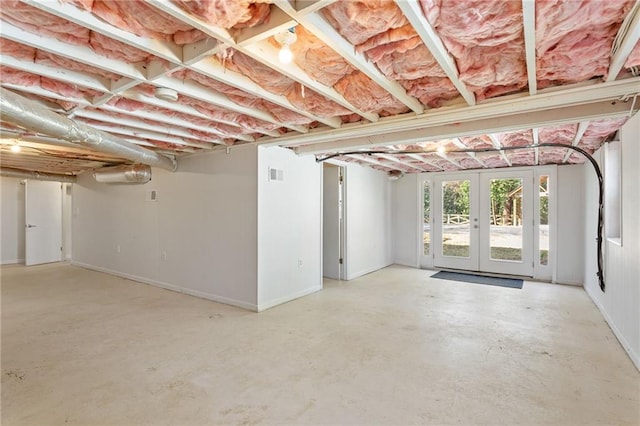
(596, 167)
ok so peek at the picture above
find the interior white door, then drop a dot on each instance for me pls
(456, 222)
(43, 222)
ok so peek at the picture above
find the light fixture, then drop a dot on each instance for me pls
(16, 147)
(286, 39)
(442, 149)
(166, 94)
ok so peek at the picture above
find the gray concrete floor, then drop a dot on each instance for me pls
(393, 347)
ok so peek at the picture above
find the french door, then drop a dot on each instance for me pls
(484, 222)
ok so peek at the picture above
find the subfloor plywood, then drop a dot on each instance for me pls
(392, 347)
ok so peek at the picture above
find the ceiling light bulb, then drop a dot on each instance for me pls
(15, 147)
(285, 55)
(442, 149)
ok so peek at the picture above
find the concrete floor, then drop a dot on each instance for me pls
(393, 347)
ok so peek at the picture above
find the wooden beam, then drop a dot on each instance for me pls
(626, 39)
(319, 27)
(496, 144)
(529, 21)
(582, 127)
(413, 12)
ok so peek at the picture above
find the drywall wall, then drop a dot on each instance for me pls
(570, 240)
(289, 226)
(620, 303)
(405, 212)
(67, 191)
(12, 218)
(369, 242)
(199, 237)
(331, 221)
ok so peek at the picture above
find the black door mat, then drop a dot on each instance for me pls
(479, 279)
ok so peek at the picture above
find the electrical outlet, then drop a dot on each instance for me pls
(164, 255)
(118, 248)
(299, 263)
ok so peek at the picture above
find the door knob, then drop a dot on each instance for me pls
(30, 226)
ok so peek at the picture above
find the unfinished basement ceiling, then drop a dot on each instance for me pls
(186, 77)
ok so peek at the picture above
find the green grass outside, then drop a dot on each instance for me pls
(500, 253)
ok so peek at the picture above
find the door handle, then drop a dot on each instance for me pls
(31, 226)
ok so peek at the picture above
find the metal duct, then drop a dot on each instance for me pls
(28, 174)
(26, 113)
(136, 173)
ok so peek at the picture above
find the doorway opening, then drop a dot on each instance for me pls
(333, 232)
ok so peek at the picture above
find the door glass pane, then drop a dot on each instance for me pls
(456, 230)
(544, 219)
(505, 234)
(426, 217)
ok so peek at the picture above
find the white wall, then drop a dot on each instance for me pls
(289, 227)
(570, 241)
(405, 212)
(369, 242)
(12, 218)
(67, 204)
(199, 237)
(620, 304)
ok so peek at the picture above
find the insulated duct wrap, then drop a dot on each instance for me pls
(32, 116)
(28, 174)
(136, 173)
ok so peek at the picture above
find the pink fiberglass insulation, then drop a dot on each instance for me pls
(520, 138)
(68, 90)
(358, 21)
(248, 124)
(524, 157)
(469, 163)
(477, 142)
(563, 134)
(323, 64)
(17, 50)
(114, 49)
(274, 82)
(634, 58)
(364, 94)
(268, 78)
(244, 98)
(139, 18)
(35, 21)
(228, 13)
(23, 78)
(49, 59)
(598, 131)
(394, 46)
(574, 38)
(491, 159)
(551, 155)
(313, 102)
(219, 128)
(485, 38)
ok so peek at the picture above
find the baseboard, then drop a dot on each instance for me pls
(12, 262)
(366, 271)
(171, 287)
(403, 263)
(289, 298)
(623, 341)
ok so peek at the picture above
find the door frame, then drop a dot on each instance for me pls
(540, 272)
